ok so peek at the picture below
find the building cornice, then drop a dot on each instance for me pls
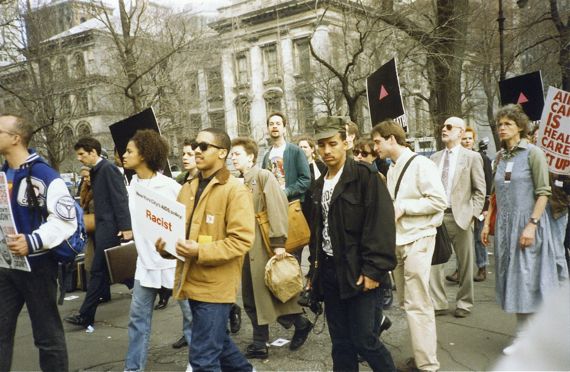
(277, 11)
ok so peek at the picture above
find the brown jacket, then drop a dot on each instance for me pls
(224, 215)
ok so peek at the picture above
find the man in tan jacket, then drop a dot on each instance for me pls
(464, 182)
(220, 231)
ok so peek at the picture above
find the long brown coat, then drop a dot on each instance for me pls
(272, 199)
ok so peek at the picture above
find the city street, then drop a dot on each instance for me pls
(473, 343)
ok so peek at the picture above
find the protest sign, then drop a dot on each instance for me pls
(384, 97)
(8, 227)
(159, 217)
(122, 131)
(554, 131)
(526, 91)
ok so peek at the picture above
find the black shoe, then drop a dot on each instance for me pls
(103, 300)
(77, 320)
(386, 324)
(300, 336)
(235, 319)
(180, 343)
(161, 304)
(254, 351)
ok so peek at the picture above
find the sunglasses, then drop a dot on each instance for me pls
(360, 152)
(450, 127)
(203, 146)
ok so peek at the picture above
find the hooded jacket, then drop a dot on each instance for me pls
(55, 201)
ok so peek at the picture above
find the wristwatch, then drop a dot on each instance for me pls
(534, 221)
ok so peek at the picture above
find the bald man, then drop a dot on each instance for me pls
(464, 182)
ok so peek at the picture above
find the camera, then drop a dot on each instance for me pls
(306, 300)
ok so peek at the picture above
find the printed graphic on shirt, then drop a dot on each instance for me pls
(278, 170)
(326, 203)
(39, 188)
(65, 208)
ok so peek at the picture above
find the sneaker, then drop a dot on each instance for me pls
(481, 275)
(254, 351)
(300, 336)
(77, 320)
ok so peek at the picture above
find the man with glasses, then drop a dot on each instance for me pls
(464, 182)
(220, 230)
(37, 288)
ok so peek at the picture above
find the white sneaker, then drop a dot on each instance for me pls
(509, 350)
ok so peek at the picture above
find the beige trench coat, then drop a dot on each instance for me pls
(268, 307)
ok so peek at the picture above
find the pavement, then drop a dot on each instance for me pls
(472, 343)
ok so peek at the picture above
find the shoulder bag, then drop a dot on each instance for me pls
(298, 233)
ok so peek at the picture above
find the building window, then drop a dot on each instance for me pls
(243, 106)
(61, 68)
(270, 63)
(273, 100)
(242, 70)
(83, 129)
(82, 103)
(78, 66)
(302, 57)
(305, 113)
(45, 70)
(64, 105)
(214, 84)
(217, 120)
(195, 124)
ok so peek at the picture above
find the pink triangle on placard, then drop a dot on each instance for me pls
(522, 99)
(383, 93)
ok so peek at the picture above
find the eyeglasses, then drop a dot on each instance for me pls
(450, 126)
(8, 132)
(203, 146)
(361, 152)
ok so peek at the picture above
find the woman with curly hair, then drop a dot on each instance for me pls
(529, 256)
(146, 154)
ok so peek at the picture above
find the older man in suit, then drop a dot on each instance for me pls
(464, 182)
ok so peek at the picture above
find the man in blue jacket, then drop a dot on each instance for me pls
(112, 221)
(37, 288)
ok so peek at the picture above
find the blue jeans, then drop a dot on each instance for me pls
(212, 348)
(353, 325)
(38, 290)
(186, 320)
(480, 250)
(140, 319)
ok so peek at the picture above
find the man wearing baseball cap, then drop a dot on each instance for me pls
(352, 250)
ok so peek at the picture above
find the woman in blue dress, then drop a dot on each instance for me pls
(529, 255)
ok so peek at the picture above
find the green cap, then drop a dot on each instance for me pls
(329, 126)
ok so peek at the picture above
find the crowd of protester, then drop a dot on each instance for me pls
(374, 207)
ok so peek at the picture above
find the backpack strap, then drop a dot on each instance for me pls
(402, 175)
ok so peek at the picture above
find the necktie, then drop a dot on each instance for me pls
(445, 171)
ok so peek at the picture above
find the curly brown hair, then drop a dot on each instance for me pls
(152, 148)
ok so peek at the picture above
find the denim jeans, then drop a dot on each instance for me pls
(140, 320)
(38, 290)
(480, 250)
(353, 325)
(186, 319)
(212, 348)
